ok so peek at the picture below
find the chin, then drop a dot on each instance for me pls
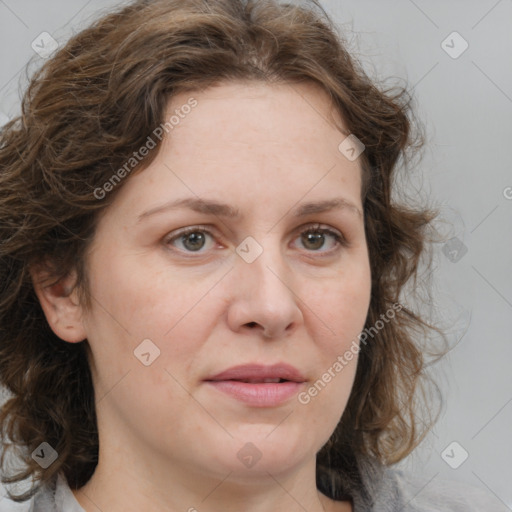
(260, 453)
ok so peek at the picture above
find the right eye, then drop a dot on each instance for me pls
(191, 239)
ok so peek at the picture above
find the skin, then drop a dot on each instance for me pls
(168, 441)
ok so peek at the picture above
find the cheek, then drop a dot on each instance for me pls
(339, 308)
(135, 303)
(324, 400)
(338, 311)
(147, 300)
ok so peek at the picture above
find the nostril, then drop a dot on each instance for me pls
(252, 324)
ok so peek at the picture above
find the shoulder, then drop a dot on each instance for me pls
(387, 489)
(53, 497)
(445, 495)
(8, 505)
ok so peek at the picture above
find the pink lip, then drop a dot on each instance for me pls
(262, 394)
(258, 371)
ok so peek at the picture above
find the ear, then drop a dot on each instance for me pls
(60, 304)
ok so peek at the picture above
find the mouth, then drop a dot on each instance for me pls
(257, 394)
(253, 381)
(257, 385)
(260, 374)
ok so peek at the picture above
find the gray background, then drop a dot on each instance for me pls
(466, 105)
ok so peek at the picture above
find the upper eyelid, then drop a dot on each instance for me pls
(212, 230)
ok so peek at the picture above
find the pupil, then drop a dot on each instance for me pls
(316, 239)
(196, 239)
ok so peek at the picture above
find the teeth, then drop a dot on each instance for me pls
(259, 381)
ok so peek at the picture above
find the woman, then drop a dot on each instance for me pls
(202, 270)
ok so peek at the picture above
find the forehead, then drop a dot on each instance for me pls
(244, 142)
(257, 125)
(295, 111)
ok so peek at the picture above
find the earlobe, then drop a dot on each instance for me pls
(60, 305)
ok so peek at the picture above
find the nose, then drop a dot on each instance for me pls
(264, 297)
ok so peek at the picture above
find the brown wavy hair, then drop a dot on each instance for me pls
(85, 112)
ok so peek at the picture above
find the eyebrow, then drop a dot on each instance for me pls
(225, 210)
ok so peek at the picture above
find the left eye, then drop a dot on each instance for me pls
(313, 238)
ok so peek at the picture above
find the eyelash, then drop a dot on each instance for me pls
(316, 228)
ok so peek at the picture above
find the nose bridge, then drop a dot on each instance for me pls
(259, 262)
(263, 291)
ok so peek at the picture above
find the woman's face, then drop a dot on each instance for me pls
(256, 288)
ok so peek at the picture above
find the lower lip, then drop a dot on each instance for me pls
(266, 394)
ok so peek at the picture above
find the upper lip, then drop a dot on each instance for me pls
(258, 371)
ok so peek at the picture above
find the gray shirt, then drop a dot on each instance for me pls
(390, 492)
